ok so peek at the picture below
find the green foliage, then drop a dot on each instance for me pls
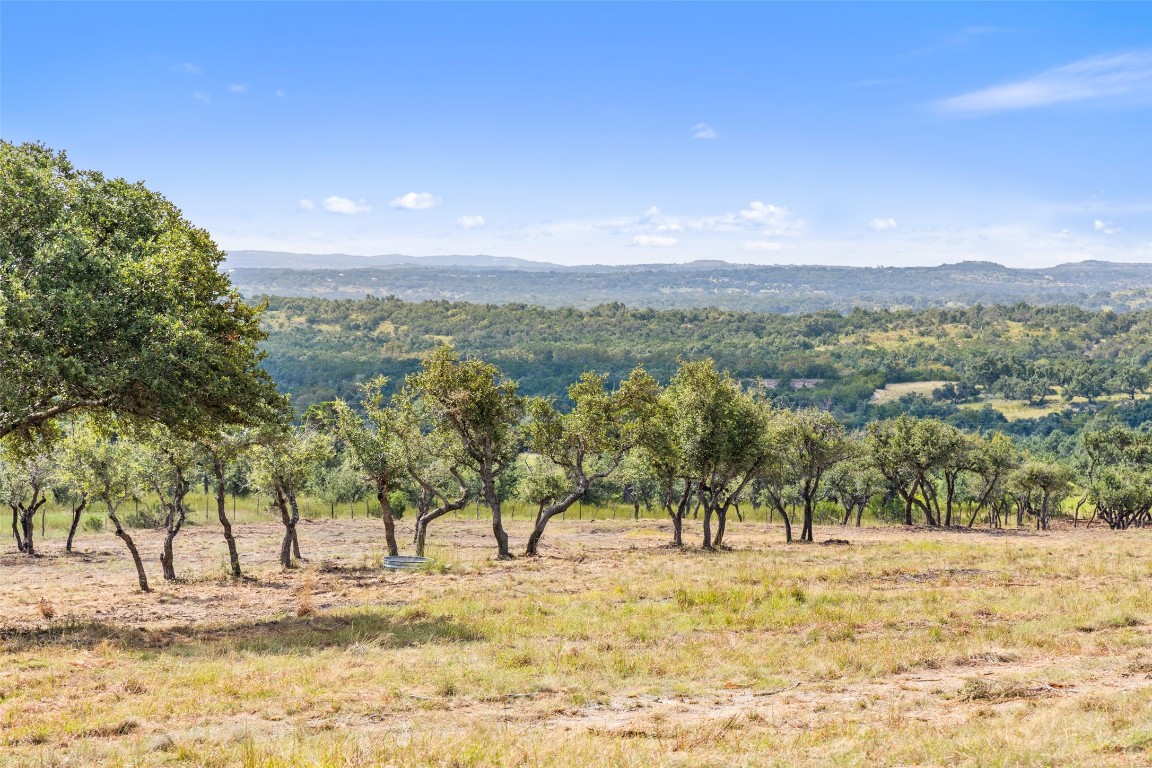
(110, 300)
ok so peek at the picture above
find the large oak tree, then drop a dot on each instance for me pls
(111, 300)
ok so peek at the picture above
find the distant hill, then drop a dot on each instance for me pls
(775, 288)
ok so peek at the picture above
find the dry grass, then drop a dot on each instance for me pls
(892, 392)
(304, 593)
(903, 648)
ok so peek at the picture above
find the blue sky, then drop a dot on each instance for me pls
(611, 133)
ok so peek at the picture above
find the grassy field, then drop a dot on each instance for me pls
(892, 392)
(901, 647)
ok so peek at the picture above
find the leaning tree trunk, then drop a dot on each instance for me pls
(440, 511)
(386, 516)
(222, 513)
(787, 522)
(123, 535)
(76, 512)
(544, 515)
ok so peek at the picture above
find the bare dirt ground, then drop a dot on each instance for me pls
(1093, 671)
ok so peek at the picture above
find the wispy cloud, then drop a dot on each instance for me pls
(202, 97)
(1104, 227)
(771, 220)
(958, 39)
(237, 88)
(306, 205)
(345, 206)
(703, 131)
(1097, 77)
(280, 93)
(882, 225)
(415, 201)
(189, 68)
(470, 222)
(653, 241)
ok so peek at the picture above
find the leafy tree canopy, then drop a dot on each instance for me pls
(111, 301)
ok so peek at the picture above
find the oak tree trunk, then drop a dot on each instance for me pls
(127, 539)
(386, 516)
(546, 514)
(173, 522)
(222, 513)
(16, 528)
(289, 527)
(721, 526)
(77, 511)
(295, 520)
(493, 501)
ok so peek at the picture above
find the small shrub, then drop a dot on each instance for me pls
(145, 517)
(984, 689)
(93, 524)
(304, 604)
(398, 501)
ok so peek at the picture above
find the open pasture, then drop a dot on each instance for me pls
(902, 647)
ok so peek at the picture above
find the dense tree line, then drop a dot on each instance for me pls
(1043, 356)
(458, 430)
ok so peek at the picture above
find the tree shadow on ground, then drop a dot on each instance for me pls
(364, 627)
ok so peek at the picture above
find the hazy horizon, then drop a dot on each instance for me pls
(542, 260)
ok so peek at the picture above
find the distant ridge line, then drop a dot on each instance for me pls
(248, 259)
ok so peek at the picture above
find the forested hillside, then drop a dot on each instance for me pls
(774, 288)
(1037, 372)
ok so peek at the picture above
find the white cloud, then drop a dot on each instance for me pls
(306, 205)
(703, 131)
(189, 68)
(237, 88)
(882, 225)
(1092, 78)
(774, 219)
(758, 211)
(654, 219)
(1104, 227)
(415, 201)
(343, 205)
(761, 245)
(653, 241)
(202, 97)
(470, 222)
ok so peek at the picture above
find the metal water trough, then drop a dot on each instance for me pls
(407, 562)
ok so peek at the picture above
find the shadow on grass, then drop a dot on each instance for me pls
(364, 627)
